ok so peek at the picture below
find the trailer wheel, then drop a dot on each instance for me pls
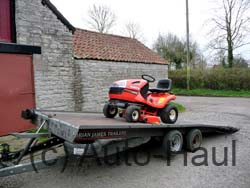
(172, 141)
(169, 114)
(109, 111)
(132, 114)
(193, 140)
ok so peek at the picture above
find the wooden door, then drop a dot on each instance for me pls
(16, 91)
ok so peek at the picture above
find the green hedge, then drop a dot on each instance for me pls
(219, 78)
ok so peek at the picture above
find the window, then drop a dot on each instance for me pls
(6, 21)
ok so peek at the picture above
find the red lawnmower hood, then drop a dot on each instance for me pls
(133, 84)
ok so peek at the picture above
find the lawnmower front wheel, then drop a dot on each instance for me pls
(110, 111)
(169, 114)
(132, 114)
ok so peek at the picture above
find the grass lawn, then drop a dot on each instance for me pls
(40, 139)
(210, 92)
(180, 107)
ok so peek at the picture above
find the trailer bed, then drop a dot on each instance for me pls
(77, 127)
(79, 131)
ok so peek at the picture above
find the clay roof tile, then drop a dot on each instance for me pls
(93, 45)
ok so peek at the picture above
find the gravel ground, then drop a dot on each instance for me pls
(230, 111)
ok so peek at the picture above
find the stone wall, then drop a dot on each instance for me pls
(92, 80)
(54, 69)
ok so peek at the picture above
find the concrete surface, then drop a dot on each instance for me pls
(230, 111)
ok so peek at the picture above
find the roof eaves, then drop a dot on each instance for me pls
(59, 15)
(114, 60)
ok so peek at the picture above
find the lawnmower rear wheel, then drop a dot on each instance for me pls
(169, 114)
(132, 114)
(109, 111)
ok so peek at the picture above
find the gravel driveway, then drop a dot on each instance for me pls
(230, 111)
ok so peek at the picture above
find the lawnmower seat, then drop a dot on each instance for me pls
(163, 85)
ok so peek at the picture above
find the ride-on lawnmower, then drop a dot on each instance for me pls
(134, 101)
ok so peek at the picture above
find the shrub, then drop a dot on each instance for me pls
(219, 78)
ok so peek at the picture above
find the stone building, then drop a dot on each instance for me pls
(64, 68)
(39, 23)
(101, 59)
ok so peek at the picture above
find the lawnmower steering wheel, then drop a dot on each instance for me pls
(148, 78)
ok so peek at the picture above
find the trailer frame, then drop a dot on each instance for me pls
(76, 131)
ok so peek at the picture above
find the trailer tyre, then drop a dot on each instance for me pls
(109, 111)
(172, 142)
(169, 114)
(193, 140)
(132, 114)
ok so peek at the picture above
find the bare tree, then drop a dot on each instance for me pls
(101, 18)
(133, 30)
(230, 26)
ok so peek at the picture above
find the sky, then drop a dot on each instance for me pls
(153, 17)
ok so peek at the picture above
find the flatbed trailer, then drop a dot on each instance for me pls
(77, 131)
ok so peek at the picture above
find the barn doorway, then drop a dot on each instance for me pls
(16, 91)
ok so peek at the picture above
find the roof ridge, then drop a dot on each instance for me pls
(114, 35)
